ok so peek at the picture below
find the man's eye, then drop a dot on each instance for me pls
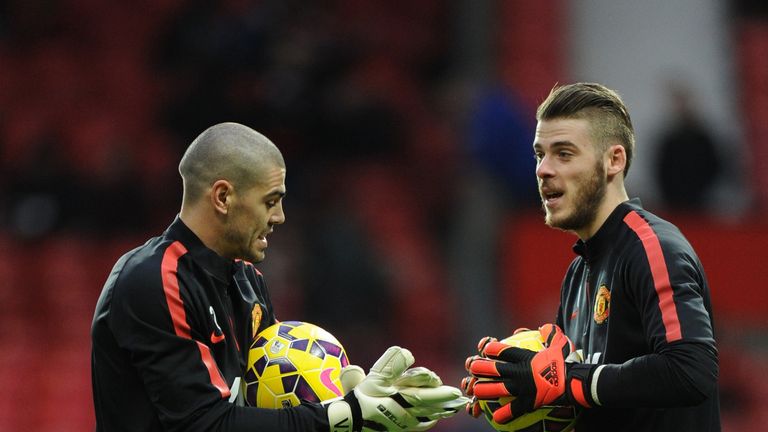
(271, 203)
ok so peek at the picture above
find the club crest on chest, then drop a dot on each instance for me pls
(256, 314)
(602, 304)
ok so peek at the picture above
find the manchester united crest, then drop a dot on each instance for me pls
(255, 319)
(602, 304)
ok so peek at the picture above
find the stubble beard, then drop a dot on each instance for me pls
(589, 197)
(242, 245)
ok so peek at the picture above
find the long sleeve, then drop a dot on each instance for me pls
(636, 302)
(166, 356)
(667, 285)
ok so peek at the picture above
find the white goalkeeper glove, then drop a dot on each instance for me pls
(350, 377)
(393, 397)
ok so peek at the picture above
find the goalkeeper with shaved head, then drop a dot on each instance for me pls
(172, 325)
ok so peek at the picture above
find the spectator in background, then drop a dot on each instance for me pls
(499, 183)
(687, 165)
(40, 190)
(499, 140)
(343, 273)
(113, 197)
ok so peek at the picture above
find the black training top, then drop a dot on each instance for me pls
(637, 301)
(170, 339)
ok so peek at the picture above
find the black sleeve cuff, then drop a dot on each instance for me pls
(580, 388)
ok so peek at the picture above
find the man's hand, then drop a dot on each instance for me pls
(532, 378)
(393, 397)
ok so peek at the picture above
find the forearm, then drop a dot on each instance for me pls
(682, 375)
(231, 418)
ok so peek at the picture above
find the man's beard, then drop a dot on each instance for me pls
(586, 204)
(240, 244)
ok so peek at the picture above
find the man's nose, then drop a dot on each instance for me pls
(278, 217)
(544, 168)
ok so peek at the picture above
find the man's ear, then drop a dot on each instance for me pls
(616, 159)
(221, 196)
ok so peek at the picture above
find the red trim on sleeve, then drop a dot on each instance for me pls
(659, 272)
(213, 371)
(170, 278)
(171, 288)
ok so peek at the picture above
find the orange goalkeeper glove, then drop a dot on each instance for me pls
(533, 378)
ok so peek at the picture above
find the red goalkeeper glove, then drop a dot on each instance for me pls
(533, 378)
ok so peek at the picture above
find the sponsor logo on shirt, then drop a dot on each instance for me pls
(217, 335)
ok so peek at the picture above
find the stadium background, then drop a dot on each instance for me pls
(406, 126)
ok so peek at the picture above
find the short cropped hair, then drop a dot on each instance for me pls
(227, 151)
(600, 106)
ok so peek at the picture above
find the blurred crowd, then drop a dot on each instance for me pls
(99, 100)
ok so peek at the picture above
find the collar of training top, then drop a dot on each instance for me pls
(217, 266)
(592, 248)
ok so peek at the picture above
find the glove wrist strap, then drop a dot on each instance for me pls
(344, 414)
(580, 389)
